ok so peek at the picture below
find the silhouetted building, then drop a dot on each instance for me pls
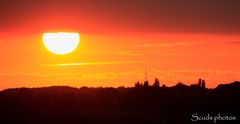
(199, 82)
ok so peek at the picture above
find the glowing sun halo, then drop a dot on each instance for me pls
(61, 42)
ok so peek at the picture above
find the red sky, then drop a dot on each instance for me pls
(175, 40)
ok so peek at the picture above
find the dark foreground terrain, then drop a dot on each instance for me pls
(141, 104)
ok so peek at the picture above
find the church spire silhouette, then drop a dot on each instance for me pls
(146, 77)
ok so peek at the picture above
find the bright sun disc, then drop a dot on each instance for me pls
(61, 42)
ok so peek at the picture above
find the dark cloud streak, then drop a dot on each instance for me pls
(167, 16)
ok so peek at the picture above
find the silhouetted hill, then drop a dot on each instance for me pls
(235, 86)
(136, 105)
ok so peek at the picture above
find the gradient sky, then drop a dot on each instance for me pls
(175, 40)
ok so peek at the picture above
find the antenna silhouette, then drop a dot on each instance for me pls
(146, 78)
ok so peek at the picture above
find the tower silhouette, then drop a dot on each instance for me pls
(199, 82)
(146, 78)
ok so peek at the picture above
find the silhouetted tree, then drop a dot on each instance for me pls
(164, 86)
(138, 85)
(146, 84)
(156, 83)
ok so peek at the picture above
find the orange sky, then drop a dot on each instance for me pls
(118, 40)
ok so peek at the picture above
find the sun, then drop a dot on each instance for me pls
(61, 42)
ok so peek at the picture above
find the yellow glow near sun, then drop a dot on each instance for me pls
(61, 42)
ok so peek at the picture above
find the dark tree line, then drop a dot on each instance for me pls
(143, 103)
(156, 84)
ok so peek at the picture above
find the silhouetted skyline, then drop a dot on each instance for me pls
(143, 104)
